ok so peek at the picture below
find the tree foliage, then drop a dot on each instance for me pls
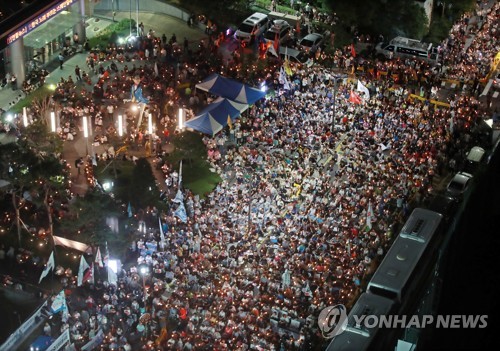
(386, 17)
(143, 189)
(35, 172)
(187, 146)
(87, 218)
(220, 10)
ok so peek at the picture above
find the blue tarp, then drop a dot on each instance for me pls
(42, 343)
(214, 117)
(230, 89)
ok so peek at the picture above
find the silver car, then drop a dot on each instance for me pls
(459, 184)
(311, 40)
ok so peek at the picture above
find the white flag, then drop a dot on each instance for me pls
(364, 90)
(272, 50)
(180, 174)
(112, 278)
(283, 79)
(162, 235)
(285, 278)
(48, 267)
(179, 197)
(98, 258)
(83, 267)
(59, 303)
(72, 244)
(156, 70)
(369, 217)
(180, 213)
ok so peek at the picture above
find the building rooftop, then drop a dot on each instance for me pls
(12, 13)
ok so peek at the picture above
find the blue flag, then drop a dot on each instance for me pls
(129, 210)
(180, 213)
(179, 197)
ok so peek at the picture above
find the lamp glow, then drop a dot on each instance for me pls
(25, 117)
(120, 125)
(181, 119)
(150, 124)
(53, 121)
(85, 127)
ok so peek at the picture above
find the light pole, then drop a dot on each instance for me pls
(53, 122)
(335, 80)
(130, 18)
(144, 271)
(137, 14)
(86, 133)
(181, 119)
(120, 125)
(25, 117)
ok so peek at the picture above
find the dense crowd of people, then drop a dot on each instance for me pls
(312, 191)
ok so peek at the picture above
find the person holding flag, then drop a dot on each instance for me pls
(136, 96)
(369, 217)
(362, 88)
(162, 234)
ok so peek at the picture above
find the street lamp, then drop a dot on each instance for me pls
(53, 122)
(120, 125)
(150, 124)
(25, 117)
(335, 80)
(137, 15)
(181, 119)
(86, 132)
(144, 271)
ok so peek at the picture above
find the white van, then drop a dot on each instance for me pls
(407, 48)
(474, 159)
(256, 24)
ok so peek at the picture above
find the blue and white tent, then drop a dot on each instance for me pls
(230, 89)
(214, 117)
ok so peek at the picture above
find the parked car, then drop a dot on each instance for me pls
(280, 28)
(256, 24)
(459, 184)
(444, 204)
(496, 80)
(474, 159)
(310, 41)
(293, 55)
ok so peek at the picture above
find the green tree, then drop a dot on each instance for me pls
(143, 191)
(217, 9)
(39, 173)
(187, 146)
(86, 221)
(389, 18)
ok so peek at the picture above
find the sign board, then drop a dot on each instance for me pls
(39, 20)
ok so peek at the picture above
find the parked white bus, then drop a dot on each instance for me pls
(401, 47)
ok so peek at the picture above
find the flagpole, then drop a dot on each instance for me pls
(55, 258)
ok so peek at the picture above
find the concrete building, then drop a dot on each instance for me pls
(35, 34)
